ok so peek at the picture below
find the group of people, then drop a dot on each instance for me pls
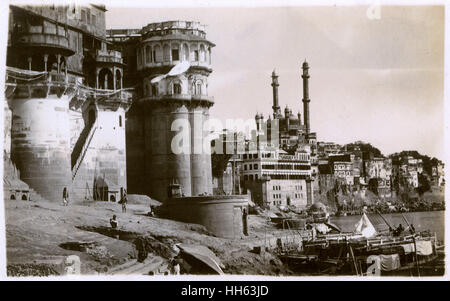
(399, 230)
(113, 221)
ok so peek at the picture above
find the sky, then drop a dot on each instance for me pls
(379, 80)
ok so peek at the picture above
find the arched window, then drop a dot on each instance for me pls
(24, 197)
(118, 80)
(148, 54)
(175, 52)
(62, 65)
(158, 54)
(176, 88)
(202, 53)
(194, 53)
(105, 79)
(198, 88)
(209, 55)
(154, 90)
(185, 52)
(139, 58)
(120, 120)
(166, 53)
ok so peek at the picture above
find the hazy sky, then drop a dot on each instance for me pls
(376, 80)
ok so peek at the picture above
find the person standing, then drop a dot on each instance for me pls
(113, 222)
(65, 197)
(124, 202)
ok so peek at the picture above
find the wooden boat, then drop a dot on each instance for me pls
(354, 254)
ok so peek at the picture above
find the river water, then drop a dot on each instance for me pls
(434, 221)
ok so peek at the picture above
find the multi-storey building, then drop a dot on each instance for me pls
(277, 178)
(328, 148)
(378, 175)
(165, 101)
(408, 170)
(64, 91)
(437, 174)
(342, 167)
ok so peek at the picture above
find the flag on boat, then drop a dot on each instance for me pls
(365, 227)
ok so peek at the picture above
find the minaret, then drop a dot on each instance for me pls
(276, 106)
(306, 99)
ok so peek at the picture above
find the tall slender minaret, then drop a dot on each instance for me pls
(306, 99)
(276, 106)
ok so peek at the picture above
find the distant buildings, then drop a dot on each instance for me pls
(277, 178)
(280, 167)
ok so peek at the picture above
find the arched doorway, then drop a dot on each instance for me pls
(118, 80)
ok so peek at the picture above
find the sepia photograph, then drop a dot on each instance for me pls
(166, 140)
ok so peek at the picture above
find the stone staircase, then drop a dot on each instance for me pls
(153, 263)
(81, 147)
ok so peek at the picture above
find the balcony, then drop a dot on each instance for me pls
(109, 56)
(44, 38)
(196, 26)
(193, 64)
(181, 97)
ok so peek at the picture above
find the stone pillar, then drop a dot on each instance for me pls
(180, 163)
(58, 57)
(29, 62)
(96, 79)
(114, 78)
(45, 62)
(207, 154)
(198, 171)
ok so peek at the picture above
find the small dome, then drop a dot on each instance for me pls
(305, 64)
(318, 207)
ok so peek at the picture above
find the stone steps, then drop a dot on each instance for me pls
(133, 267)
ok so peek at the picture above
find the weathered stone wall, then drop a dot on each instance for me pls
(7, 123)
(221, 215)
(137, 152)
(41, 143)
(106, 155)
(277, 192)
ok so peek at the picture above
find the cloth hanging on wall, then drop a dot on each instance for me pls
(390, 262)
(408, 248)
(424, 247)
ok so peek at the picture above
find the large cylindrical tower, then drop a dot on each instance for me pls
(176, 108)
(39, 95)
